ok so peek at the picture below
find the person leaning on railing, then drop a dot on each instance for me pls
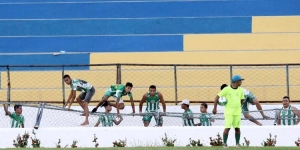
(117, 91)
(187, 117)
(87, 92)
(205, 118)
(287, 115)
(17, 119)
(152, 98)
(108, 119)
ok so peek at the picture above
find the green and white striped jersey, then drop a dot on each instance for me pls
(118, 90)
(107, 120)
(152, 102)
(16, 120)
(287, 117)
(205, 119)
(80, 85)
(185, 118)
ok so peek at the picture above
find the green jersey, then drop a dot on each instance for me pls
(118, 90)
(187, 118)
(107, 120)
(234, 98)
(80, 85)
(287, 117)
(152, 102)
(205, 119)
(16, 120)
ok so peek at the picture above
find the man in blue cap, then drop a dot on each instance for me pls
(250, 98)
(235, 96)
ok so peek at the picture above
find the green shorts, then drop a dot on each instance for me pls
(232, 121)
(109, 93)
(249, 100)
(147, 118)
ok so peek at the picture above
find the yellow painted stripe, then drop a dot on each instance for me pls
(211, 57)
(267, 41)
(276, 24)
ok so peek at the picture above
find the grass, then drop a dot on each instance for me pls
(176, 148)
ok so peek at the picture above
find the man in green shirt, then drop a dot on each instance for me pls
(187, 117)
(107, 119)
(87, 92)
(152, 98)
(117, 91)
(205, 118)
(232, 113)
(288, 114)
(250, 98)
(17, 119)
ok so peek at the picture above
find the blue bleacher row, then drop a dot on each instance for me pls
(131, 9)
(108, 26)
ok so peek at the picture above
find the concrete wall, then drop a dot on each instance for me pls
(135, 136)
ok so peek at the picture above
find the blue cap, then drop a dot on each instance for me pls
(237, 78)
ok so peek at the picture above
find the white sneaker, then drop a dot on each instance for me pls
(238, 146)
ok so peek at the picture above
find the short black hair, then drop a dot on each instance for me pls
(66, 76)
(17, 106)
(129, 84)
(223, 86)
(204, 105)
(152, 87)
(105, 104)
(287, 97)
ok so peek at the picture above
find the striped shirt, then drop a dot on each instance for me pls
(16, 120)
(187, 118)
(205, 119)
(287, 117)
(106, 120)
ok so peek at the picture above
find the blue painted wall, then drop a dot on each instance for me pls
(126, 26)
(150, 9)
(23, 22)
(44, 59)
(92, 44)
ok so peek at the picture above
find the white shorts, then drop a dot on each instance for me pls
(120, 101)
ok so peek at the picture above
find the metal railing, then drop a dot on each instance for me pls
(196, 82)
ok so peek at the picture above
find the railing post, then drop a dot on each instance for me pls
(175, 81)
(8, 85)
(119, 72)
(287, 80)
(230, 74)
(63, 84)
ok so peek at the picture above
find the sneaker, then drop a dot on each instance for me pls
(225, 145)
(238, 146)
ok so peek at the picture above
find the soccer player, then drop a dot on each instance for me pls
(152, 98)
(107, 119)
(117, 91)
(287, 115)
(17, 119)
(234, 95)
(84, 98)
(250, 99)
(205, 118)
(187, 117)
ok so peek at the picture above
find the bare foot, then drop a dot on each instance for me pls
(85, 123)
